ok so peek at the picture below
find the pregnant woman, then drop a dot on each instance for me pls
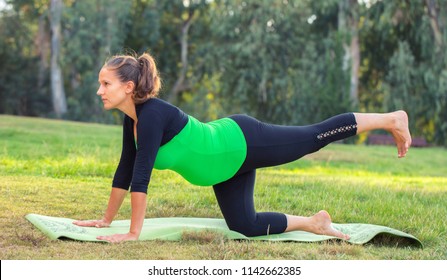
(224, 153)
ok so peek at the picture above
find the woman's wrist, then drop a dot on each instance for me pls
(134, 234)
(135, 229)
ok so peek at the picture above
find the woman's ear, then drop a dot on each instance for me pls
(130, 87)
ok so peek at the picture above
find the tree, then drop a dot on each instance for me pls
(282, 61)
(274, 65)
(20, 92)
(415, 80)
(348, 21)
(57, 88)
(93, 31)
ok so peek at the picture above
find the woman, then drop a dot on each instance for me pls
(224, 153)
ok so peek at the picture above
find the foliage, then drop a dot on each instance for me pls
(405, 67)
(281, 61)
(19, 92)
(94, 29)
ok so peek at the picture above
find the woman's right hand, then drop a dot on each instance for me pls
(92, 223)
(116, 199)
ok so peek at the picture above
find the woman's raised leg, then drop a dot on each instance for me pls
(396, 123)
(270, 145)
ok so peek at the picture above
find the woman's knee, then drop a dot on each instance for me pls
(246, 229)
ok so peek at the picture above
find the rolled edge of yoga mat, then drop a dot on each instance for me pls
(364, 233)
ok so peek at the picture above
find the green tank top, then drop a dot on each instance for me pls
(204, 153)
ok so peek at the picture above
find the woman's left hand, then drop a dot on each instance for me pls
(116, 238)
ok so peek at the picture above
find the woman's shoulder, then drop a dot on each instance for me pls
(155, 104)
(160, 108)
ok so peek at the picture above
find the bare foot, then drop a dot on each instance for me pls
(322, 224)
(400, 131)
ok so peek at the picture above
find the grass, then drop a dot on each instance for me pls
(61, 168)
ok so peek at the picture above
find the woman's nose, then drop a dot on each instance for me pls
(100, 91)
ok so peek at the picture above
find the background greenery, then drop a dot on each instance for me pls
(282, 61)
(62, 168)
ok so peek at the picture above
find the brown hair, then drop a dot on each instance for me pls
(141, 70)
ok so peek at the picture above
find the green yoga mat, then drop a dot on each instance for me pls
(173, 229)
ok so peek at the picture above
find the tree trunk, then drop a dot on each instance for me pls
(355, 65)
(434, 22)
(348, 17)
(42, 44)
(181, 83)
(57, 84)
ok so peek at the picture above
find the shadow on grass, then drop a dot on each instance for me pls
(388, 240)
(32, 238)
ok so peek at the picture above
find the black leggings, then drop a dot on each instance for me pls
(271, 145)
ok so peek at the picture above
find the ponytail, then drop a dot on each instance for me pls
(142, 71)
(148, 79)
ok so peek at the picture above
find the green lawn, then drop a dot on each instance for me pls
(61, 168)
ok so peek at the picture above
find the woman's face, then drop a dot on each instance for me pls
(113, 92)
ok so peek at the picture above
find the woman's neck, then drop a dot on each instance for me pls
(129, 109)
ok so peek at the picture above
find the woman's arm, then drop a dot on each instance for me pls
(117, 196)
(138, 203)
(150, 128)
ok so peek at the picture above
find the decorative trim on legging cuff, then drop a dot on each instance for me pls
(336, 131)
